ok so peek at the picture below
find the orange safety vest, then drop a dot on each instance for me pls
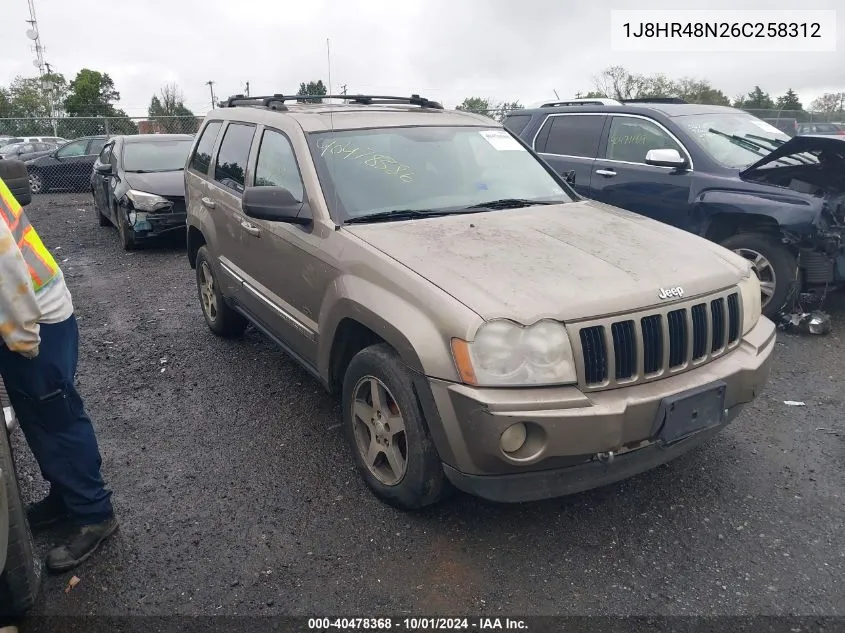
(42, 267)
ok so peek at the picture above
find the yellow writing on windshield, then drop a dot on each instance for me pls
(367, 157)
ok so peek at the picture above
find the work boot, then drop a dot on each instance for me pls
(49, 511)
(80, 545)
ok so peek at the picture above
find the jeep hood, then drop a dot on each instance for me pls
(798, 145)
(569, 261)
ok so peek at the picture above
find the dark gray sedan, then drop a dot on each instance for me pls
(139, 185)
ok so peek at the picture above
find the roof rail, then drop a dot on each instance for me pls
(587, 101)
(654, 100)
(277, 101)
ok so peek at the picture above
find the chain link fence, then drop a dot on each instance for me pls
(62, 151)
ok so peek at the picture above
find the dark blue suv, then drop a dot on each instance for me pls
(715, 171)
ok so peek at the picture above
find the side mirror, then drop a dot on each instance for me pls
(105, 170)
(275, 204)
(665, 158)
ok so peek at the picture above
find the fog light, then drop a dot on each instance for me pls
(513, 438)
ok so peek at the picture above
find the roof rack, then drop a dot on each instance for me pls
(277, 101)
(654, 100)
(586, 101)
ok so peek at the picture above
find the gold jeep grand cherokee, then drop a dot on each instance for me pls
(484, 324)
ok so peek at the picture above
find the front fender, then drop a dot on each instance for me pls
(408, 327)
(794, 214)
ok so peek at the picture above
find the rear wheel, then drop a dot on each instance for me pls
(20, 576)
(220, 317)
(775, 266)
(37, 183)
(387, 433)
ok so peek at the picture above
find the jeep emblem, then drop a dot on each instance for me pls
(671, 293)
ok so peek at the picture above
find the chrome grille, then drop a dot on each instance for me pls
(653, 344)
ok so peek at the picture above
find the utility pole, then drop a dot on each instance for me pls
(39, 63)
(343, 92)
(210, 85)
(247, 89)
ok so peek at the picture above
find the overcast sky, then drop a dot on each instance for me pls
(442, 49)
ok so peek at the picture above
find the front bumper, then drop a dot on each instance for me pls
(573, 430)
(155, 224)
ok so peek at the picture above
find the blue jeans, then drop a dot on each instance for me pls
(53, 419)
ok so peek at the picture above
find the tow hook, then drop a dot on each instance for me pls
(605, 458)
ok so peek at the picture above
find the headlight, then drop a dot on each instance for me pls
(749, 289)
(505, 354)
(143, 201)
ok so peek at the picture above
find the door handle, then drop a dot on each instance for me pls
(607, 173)
(208, 202)
(250, 228)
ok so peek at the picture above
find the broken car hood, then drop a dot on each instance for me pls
(797, 145)
(568, 261)
(162, 183)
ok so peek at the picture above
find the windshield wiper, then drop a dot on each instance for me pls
(509, 203)
(741, 141)
(777, 143)
(397, 214)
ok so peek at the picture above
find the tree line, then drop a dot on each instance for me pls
(616, 82)
(87, 104)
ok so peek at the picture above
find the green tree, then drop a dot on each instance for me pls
(758, 100)
(700, 91)
(789, 101)
(478, 105)
(91, 93)
(503, 109)
(312, 88)
(167, 110)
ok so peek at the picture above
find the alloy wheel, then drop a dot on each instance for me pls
(36, 183)
(207, 292)
(764, 270)
(379, 430)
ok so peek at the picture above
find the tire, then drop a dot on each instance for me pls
(15, 175)
(37, 183)
(422, 483)
(102, 220)
(779, 272)
(20, 577)
(220, 317)
(127, 236)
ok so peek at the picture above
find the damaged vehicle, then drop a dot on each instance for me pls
(484, 326)
(138, 185)
(715, 171)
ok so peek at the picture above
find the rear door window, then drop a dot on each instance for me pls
(201, 159)
(571, 135)
(232, 158)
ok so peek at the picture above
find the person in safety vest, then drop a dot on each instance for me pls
(38, 355)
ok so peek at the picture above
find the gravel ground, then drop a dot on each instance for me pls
(236, 493)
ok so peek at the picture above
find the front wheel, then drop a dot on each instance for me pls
(102, 220)
(20, 576)
(385, 428)
(127, 235)
(775, 266)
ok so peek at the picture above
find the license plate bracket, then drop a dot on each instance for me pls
(689, 412)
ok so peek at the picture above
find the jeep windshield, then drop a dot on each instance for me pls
(737, 139)
(428, 171)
